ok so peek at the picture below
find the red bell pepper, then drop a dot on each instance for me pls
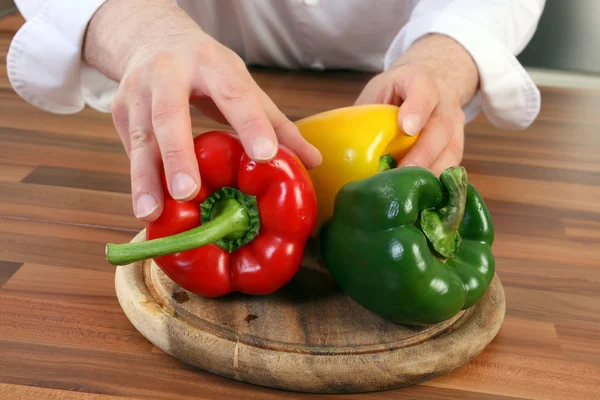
(245, 231)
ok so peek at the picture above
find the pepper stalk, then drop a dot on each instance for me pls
(230, 219)
(441, 226)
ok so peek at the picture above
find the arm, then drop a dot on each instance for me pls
(492, 33)
(453, 58)
(50, 80)
(164, 62)
(120, 28)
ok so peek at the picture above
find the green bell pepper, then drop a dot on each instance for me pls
(410, 247)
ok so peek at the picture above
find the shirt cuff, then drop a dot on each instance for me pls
(44, 62)
(507, 95)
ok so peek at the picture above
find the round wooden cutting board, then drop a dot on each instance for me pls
(308, 337)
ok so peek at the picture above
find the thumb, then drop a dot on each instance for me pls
(417, 96)
(421, 96)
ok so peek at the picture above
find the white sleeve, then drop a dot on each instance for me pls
(44, 62)
(493, 32)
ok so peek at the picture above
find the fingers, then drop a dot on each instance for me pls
(427, 106)
(131, 112)
(289, 134)
(416, 93)
(377, 91)
(233, 94)
(146, 187)
(120, 116)
(234, 98)
(421, 96)
(171, 123)
(453, 153)
(437, 133)
(151, 113)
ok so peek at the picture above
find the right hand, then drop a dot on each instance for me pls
(160, 80)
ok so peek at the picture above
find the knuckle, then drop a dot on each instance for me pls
(238, 63)
(425, 156)
(119, 114)
(426, 75)
(139, 175)
(456, 147)
(382, 78)
(430, 153)
(173, 155)
(425, 80)
(160, 62)
(164, 112)
(454, 97)
(430, 102)
(133, 82)
(115, 108)
(399, 71)
(233, 91)
(433, 89)
(456, 152)
(206, 53)
(447, 126)
(252, 123)
(228, 59)
(139, 139)
(459, 139)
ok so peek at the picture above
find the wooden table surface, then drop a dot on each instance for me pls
(64, 192)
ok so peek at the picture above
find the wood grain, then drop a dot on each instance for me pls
(297, 319)
(14, 173)
(63, 334)
(19, 392)
(79, 179)
(307, 337)
(7, 270)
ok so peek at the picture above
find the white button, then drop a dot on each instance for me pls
(318, 65)
(311, 2)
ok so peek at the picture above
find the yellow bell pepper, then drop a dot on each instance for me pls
(352, 141)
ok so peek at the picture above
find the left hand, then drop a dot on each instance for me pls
(430, 82)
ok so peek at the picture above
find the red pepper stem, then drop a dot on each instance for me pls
(229, 220)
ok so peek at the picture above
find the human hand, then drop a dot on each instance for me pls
(161, 72)
(430, 82)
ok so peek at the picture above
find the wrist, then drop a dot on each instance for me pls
(123, 30)
(448, 60)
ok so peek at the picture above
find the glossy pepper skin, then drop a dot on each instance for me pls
(283, 210)
(410, 247)
(352, 141)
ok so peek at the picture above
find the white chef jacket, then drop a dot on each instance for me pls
(45, 66)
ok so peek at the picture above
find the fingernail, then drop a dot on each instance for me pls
(411, 124)
(263, 149)
(183, 186)
(145, 205)
(319, 161)
(318, 155)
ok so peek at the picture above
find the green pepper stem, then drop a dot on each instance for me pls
(229, 220)
(441, 226)
(387, 162)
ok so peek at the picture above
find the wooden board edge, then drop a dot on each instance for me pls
(308, 372)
